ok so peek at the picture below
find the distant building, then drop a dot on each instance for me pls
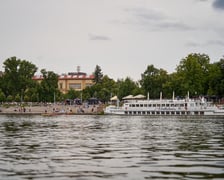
(73, 80)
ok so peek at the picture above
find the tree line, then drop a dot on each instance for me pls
(194, 74)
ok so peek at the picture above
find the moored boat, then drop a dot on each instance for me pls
(167, 107)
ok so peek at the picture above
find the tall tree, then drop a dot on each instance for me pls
(17, 77)
(128, 87)
(153, 81)
(193, 74)
(48, 86)
(101, 90)
(98, 75)
(216, 78)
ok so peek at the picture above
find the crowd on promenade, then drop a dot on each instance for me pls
(42, 108)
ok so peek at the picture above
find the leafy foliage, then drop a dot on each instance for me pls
(127, 87)
(48, 86)
(17, 77)
(194, 74)
(153, 80)
(98, 75)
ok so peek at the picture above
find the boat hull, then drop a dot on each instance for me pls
(166, 107)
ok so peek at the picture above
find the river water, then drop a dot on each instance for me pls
(111, 147)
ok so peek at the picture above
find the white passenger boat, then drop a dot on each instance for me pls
(166, 107)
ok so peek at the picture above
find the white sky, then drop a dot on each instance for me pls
(123, 37)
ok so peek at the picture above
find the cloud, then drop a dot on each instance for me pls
(216, 42)
(94, 37)
(193, 43)
(156, 21)
(218, 4)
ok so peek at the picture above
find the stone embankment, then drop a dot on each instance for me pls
(43, 109)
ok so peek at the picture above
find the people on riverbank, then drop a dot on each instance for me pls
(52, 108)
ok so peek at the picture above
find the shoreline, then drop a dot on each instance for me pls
(53, 109)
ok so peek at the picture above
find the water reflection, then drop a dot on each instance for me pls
(111, 147)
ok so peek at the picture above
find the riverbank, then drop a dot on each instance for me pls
(49, 109)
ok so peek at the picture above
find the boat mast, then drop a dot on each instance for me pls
(188, 96)
(148, 96)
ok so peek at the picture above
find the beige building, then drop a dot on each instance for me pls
(77, 81)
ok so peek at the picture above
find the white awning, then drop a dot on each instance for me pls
(140, 96)
(115, 98)
(128, 97)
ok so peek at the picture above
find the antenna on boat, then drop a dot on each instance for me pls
(148, 96)
(161, 95)
(173, 95)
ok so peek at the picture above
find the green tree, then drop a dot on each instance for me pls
(32, 93)
(193, 74)
(17, 98)
(128, 87)
(49, 86)
(72, 94)
(17, 77)
(102, 91)
(2, 96)
(216, 79)
(9, 98)
(98, 75)
(153, 81)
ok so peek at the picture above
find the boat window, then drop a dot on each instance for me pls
(139, 112)
(163, 105)
(157, 112)
(145, 105)
(137, 105)
(150, 105)
(154, 105)
(153, 112)
(141, 105)
(143, 112)
(167, 105)
(172, 112)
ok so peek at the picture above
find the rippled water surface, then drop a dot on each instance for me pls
(111, 147)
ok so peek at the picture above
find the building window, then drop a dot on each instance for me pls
(60, 85)
(75, 86)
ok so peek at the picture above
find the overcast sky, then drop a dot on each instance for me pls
(123, 37)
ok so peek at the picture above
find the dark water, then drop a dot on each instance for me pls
(111, 147)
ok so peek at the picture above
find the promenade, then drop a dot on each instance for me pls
(66, 109)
